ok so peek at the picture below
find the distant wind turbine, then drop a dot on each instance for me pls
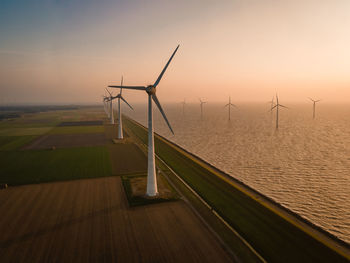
(110, 100)
(183, 106)
(277, 105)
(120, 122)
(152, 189)
(272, 101)
(314, 107)
(201, 104)
(229, 104)
(104, 98)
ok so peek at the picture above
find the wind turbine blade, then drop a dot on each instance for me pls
(317, 100)
(121, 84)
(226, 105)
(110, 94)
(129, 87)
(164, 69)
(126, 102)
(311, 99)
(283, 106)
(273, 107)
(155, 99)
(234, 105)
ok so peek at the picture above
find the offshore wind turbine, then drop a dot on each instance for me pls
(272, 104)
(152, 188)
(183, 106)
(277, 105)
(201, 104)
(314, 107)
(229, 104)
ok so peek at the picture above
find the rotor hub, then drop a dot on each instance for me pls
(151, 90)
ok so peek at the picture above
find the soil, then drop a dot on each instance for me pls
(89, 221)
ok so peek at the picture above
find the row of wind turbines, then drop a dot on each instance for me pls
(151, 90)
(274, 105)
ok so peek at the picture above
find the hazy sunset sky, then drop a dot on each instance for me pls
(68, 51)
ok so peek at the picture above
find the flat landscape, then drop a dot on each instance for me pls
(66, 202)
(90, 221)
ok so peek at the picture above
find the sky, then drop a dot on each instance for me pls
(64, 52)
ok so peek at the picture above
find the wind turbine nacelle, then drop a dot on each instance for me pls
(151, 90)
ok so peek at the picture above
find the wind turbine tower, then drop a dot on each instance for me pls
(314, 107)
(110, 100)
(120, 122)
(152, 188)
(183, 106)
(229, 104)
(277, 105)
(272, 101)
(201, 104)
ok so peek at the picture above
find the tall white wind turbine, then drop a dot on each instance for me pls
(152, 188)
(201, 104)
(277, 105)
(229, 104)
(110, 100)
(314, 107)
(120, 122)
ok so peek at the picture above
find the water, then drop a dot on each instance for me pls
(304, 166)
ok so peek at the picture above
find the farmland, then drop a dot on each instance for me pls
(26, 167)
(66, 200)
(89, 221)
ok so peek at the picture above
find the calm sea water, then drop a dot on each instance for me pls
(305, 165)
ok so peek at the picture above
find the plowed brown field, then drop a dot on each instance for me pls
(89, 221)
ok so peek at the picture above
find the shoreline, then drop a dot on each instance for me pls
(321, 235)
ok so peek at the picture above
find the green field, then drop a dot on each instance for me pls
(24, 131)
(273, 237)
(9, 143)
(77, 129)
(26, 167)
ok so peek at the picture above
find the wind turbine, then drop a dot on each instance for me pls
(120, 123)
(201, 103)
(110, 100)
(314, 107)
(152, 189)
(277, 105)
(229, 104)
(272, 104)
(183, 106)
(104, 99)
